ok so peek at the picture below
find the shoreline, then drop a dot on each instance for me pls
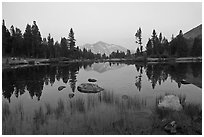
(8, 62)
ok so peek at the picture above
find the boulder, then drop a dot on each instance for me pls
(89, 88)
(170, 102)
(92, 80)
(61, 88)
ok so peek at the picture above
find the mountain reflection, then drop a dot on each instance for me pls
(33, 79)
(105, 66)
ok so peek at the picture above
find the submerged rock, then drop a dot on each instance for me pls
(92, 80)
(170, 102)
(71, 95)
(61, 88)
(184, 82)
(124, 97)
(89, 88)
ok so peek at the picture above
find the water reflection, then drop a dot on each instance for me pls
(33, 79)
(115, 111)
(139, 68)
(158, 73)
(105, 66)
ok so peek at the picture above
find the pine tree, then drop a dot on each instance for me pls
(149, 47)
(154, 42)
(27, 40)
(50, 46)
(182, 49)
(64, 47)
(6, 46)
(160, 37)
(71, 40)
(18, 49)
(128, 55)
(12, 40)
(138, 51)
(196, 50)
(138, 37)
(36, 39)
(160, 45)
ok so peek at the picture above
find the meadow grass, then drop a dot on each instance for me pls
(102, 114)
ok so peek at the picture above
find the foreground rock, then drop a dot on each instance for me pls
(89, 88)
(170, 102)
(171, 127)
(92, 80)
(61, 88)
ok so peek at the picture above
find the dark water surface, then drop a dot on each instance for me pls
(131, 91)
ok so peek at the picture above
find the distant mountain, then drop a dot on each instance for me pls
(102, 47)
(192, 34)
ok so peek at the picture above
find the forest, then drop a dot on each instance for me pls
(31, 44)
(160, 47)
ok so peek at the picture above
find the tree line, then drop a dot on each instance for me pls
(159, 46)
(31, 44)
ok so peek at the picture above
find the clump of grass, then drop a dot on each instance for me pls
(39, 118)
(5, 111)
(194, 111)
(48, 108)
(79, 104)
(182, 99)
(189, 119)
(107, 97)
(91, 102)
(20, 110)
(60, 109)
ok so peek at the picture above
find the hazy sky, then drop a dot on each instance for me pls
(114, 23)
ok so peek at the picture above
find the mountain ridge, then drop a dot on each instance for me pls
(103, 47)
(190, 35)
(193, 33)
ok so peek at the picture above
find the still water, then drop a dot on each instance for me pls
(128, 87)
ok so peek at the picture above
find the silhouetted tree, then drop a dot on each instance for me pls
(128, 54)
(155, 42)
(64, 47)
(138, 37)
(178, 46)
(149, 47)
(196, 50)
(36, 40)
(6, 46)
(71, 40)
(51, 46)
(27, 40)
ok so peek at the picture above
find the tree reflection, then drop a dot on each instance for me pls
(73, 71)
(196, 69)
(138, 83)
(32, 79)
(158, 73)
